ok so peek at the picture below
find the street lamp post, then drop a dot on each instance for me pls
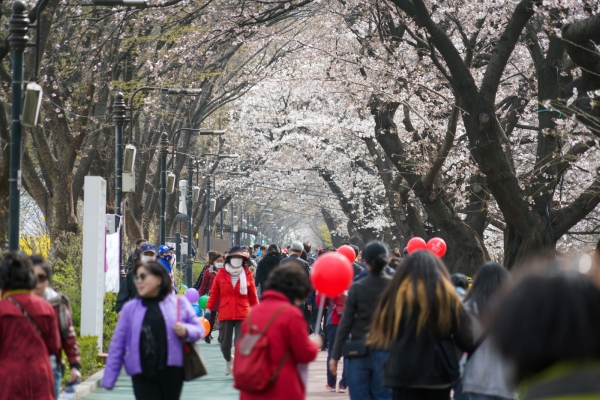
(164, 150)
(18, 27)
(207, 213)
(189, 262)
(119, 120)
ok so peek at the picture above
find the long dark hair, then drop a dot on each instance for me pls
(488, 279)
(157, 269)
(377, 256)
(421, 286)
(546, 319)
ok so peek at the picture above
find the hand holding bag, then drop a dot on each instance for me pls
(193, 365)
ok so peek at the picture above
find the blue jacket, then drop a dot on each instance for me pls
(169, 269)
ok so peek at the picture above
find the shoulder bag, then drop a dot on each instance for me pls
(355, 348)
(193, 365)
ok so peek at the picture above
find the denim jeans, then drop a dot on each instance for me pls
(365, 377)
(57, 376)
(331, 379)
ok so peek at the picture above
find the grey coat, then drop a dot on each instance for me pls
(486, 372)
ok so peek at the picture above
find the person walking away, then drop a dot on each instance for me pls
(335, 311)
(267, 264)
(485, 373)
(288, 344)
(62, 309)
(166, 259)
(135, 256)
(234, 288)
(148, 337)
(420, 320)
(216, 263)
(461, 285)
(128, 291)
(365, 370)
(204, 269)
(295, 253)
(547, 325)
(28, 334)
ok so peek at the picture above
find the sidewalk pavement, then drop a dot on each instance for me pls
(217, 386)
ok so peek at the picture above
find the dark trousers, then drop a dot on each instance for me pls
(166, 385)
(331, 379)
(211, 321)
(228, 328)
(420, 394)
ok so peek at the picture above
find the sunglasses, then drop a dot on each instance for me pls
(41, 278)
(140, 277)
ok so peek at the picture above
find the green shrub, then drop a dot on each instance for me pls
(88, 348)
(66, 261)
(110, 320)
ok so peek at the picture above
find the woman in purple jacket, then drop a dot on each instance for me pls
(149, 334)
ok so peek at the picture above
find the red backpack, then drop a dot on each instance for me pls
(252, 368)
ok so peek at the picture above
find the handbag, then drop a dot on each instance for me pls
(193, 365)
(355, 348)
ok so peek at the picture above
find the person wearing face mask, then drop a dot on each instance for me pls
(128, 291)
(167, 259)
(149, 337)
(234, 288)
(215, 264)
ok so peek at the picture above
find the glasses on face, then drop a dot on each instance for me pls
(140, 277)
(42, 278)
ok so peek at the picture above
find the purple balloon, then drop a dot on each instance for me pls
(192, 295)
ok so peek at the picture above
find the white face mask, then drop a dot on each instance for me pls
(147, 258)
(236, 262)
(219, 265)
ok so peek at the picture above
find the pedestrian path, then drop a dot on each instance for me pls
(217, 386)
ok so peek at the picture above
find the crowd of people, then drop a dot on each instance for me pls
(405, 329)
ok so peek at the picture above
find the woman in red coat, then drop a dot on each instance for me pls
(287, 286)
(215, 263)
(234, 288)
(26, 344)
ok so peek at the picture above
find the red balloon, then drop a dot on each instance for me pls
(347, 252)
(437, 246)
(416, 244)
(332, 274)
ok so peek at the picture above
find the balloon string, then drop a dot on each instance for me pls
(320, 315)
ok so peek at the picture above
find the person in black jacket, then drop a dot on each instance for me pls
(421, 321)
(267, 264)
(365, 374)
(128, 291)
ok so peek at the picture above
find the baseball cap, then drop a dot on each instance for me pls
(163, 248)
(148, 247)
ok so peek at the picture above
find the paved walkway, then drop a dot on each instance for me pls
(217, 386)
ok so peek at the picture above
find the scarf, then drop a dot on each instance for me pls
(238, 274)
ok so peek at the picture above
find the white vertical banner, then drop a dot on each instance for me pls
(111, 264)
(92, 282)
